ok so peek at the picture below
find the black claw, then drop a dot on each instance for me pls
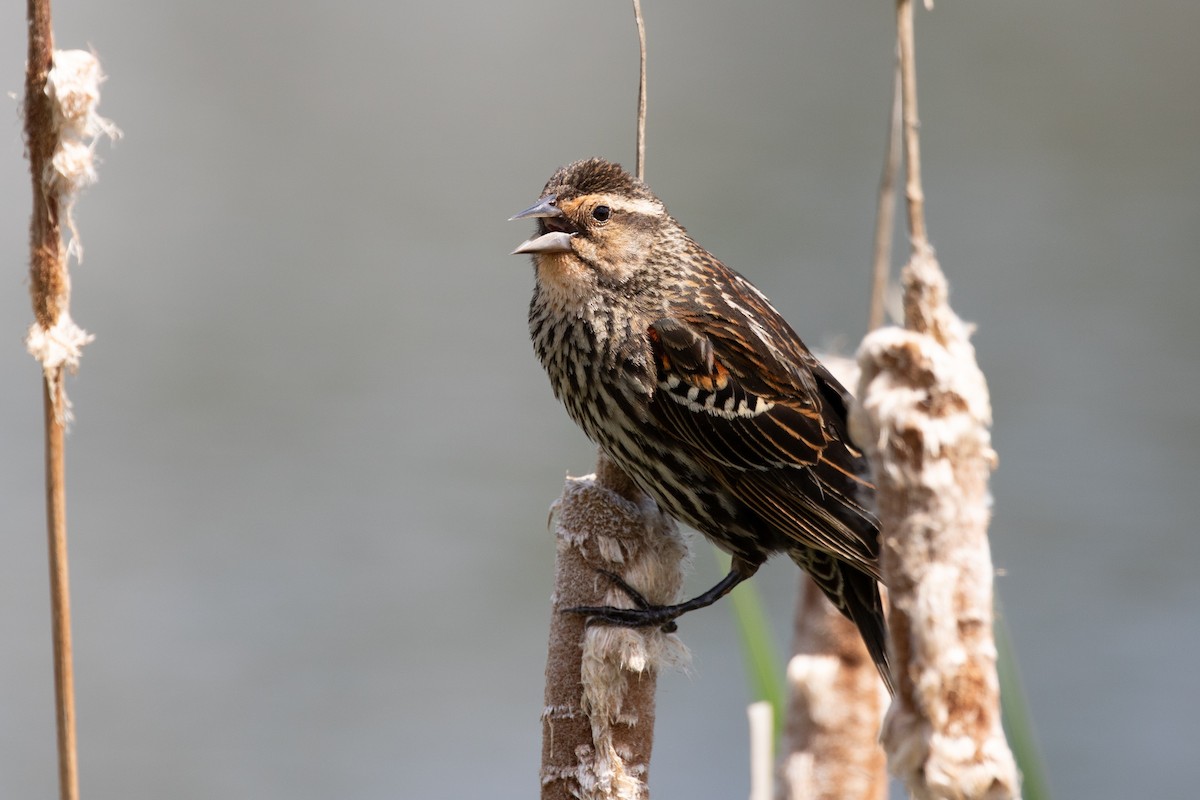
(627, 617)
(645, 615)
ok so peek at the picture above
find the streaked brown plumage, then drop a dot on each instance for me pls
(693, 384)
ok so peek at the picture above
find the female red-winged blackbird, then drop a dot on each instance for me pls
(693, 384)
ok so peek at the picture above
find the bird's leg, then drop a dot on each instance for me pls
(646, 615)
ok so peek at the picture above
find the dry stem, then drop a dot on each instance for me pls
(837, 702)
(923, 419)
(641, 114)
(598, 723)
(49, 287)
(923, 416)
(60, 596)
(836, 698)
(912, 144)
(885, 210)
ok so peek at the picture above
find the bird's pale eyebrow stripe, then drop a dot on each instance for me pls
(630, 205)
(651, 208)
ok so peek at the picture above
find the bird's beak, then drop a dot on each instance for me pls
(552, 242)
(544, 207)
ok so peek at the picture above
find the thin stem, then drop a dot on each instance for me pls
(641, 114)
(931, 462)
(912, 147)
(885, 214)
(60, 594)
(48, 287)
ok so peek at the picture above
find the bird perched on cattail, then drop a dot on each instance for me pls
(692, 383)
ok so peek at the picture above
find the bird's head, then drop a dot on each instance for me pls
(596, 225)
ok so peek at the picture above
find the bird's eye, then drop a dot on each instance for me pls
(601, 213)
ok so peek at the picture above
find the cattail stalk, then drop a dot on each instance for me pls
(923, 416)
(61, 127)
(885, 210)
(49, 285)
(836, 699)
(836, 705)
(598, 721)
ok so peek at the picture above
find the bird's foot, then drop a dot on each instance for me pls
(644, 615)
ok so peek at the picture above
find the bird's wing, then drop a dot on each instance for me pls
(738, 389)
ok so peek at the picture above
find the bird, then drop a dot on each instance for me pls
(690, 381)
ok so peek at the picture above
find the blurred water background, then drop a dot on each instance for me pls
(309, 476)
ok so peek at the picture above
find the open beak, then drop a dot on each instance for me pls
(550, 242)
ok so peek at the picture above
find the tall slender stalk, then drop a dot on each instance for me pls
(923, 415)
(641, 112)
(60, 591)
(49, 285)
(885, 210)
(913, 190)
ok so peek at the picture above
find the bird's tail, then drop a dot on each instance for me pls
(856, 595)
